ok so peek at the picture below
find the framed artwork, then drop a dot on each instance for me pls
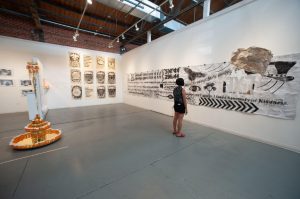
(25, 82)
(111, 91)
(101, 91)
(6, 72)
(89, 92)
(6, 82)
(25, 91)
(87, 62)
(74, 60)
(100, 63)
(111, 77)
(76, 91)
(111, 64)
(75, 76)
(88, 77)
(100, 75)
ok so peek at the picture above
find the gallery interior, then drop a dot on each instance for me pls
(92, 99)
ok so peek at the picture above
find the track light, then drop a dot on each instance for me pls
(136, 27)
(75, 36)
(123, 37)
(89, 2)
(171, 4)
(110, 45)
(118, 40)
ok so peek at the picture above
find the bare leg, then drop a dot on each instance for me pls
(175, 122)
(179, 123)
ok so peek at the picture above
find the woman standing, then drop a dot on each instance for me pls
(180, 107)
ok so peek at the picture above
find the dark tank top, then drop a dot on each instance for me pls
(177, 93)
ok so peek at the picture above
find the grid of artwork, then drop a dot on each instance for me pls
(94, 78)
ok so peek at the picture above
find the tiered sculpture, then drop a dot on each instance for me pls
(37, 133)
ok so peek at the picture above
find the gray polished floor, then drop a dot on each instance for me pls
(120, 151)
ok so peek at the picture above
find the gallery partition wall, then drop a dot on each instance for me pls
(260, 104)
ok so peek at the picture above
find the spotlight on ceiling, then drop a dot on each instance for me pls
(118, 40)
(110, 45)
(90, 2)
(136, 27)
(171, 4)
(123, 37)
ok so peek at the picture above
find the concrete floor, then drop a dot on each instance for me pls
(120, 151)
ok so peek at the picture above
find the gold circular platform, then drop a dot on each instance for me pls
(37, 134)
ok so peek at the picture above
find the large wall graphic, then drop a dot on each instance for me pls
(270, 88)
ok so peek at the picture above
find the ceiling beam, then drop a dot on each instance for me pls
(166, 20)
(35, 16)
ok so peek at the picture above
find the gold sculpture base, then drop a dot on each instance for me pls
(24, 141)
(38, 134)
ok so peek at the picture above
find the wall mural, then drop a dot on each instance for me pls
(92, 76)
(253, 82)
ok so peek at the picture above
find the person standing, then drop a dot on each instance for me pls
(180, 107)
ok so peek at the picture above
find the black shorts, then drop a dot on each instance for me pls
(179, 107)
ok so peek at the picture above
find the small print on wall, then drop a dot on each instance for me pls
(76, 91)
(88, 77)
(87, 62)
(25, 82)
(89, 92)
(74, 60)
(6, 72)
(100, 63)
(101, 91)
(111, 91)
(6, 82)
(75, 76)
(25, 91)
(111, 64)
(111, 77)
(100, 77)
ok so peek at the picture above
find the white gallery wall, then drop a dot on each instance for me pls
(15, 53)
(270, 24)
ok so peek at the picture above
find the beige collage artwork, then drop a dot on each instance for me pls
(91, 82)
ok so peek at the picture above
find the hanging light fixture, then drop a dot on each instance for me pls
(136, 27)
(90, 2)
(123, 37)
(118, 40)
(171, 4)
(75, 35)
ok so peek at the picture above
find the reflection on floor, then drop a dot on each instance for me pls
(120, 151)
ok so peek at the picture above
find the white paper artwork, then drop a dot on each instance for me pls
(100, 63)
(25, 91)
(6, 82)
(87, 62)
(6, 72)
(88, 77)
(111, 64)
(76, 91)
(111, 91)
(25, 82)
(224, 86)
(74, 60)
(89, 92)
(101, 91)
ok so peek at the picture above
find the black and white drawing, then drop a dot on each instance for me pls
(75, 76)
(74, 60)
(100, 75)
(101, 91)
(111, 78)
(6, 72)
(76, 91)
(100, 63)
(87, 62)
(223, 85)
(6, 82)
(25, 82)
(111, 64)
(89, 92)
(88, 77)
(111, 91)
(25, 91)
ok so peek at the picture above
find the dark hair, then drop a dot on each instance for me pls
(180, 82)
